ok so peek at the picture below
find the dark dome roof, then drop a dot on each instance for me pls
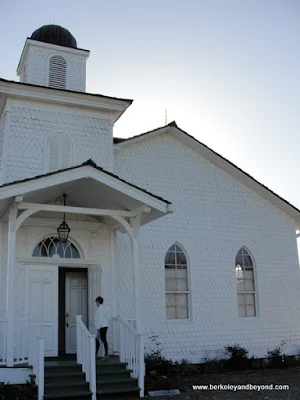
(54, 34)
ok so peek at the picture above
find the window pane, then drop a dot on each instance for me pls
(240, 286)
(239, 273)
(182, 313)
(178, 249)
(170, 273)
(181, 299)
(182, 285)
(250, 311)
(171, 285)
(170, 258)
(242, 311)
(241, 299)
(249, 273)
(172, 248)
(247, 260)
(180, 258)
(239, 260)
(249, 299)
(181, 273)
(171, 299)
(249, 285)
(171, 312)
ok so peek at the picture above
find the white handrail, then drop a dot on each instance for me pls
(36, 356)
(86, 353)
(130, 346)
(3, 334)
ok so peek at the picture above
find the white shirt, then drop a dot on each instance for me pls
(102, 317)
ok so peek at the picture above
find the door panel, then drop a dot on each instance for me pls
(41, 303)
(76, 304)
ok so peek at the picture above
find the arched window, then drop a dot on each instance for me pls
(244, 274)
(176, 280)
(52, 246)
(59, 152)
(57, 72)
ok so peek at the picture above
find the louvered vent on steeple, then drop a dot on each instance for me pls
(57, 72)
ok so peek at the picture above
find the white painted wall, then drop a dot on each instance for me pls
(214, 216)
(36, 65)
(31, 125)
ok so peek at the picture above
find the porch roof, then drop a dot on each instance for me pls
(87, 186)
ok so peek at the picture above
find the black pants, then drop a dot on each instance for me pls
(103, 332)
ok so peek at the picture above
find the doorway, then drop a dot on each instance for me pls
(73, 300)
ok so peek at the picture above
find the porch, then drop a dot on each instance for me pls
(113, 203)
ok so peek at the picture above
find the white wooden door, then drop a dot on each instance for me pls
(41, 302)
(95, 290)
(76, 304)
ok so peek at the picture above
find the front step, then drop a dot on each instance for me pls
(113, 378)
(65, 380)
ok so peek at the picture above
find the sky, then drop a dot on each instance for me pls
(227, 71)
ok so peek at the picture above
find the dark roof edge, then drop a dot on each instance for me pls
(89, 163)
(173, 124)
(60, 45)
(65, 90)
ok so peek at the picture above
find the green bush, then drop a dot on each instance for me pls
(238, 357)
(276, 357)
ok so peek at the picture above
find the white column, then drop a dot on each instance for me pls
(11, 257)
(135, 224)
(136, 281)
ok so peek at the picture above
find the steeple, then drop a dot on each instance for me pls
(51, 58)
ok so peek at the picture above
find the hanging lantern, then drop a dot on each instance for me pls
(63, 230)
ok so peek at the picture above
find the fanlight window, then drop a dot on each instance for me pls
(57, 72)
(245, 283)
(176, 280)
(52, 246)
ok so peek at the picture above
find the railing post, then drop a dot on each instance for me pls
(78, 339)
(40, 368)
(141, 377)
(92, 366)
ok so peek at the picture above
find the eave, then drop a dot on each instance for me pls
(48, 95)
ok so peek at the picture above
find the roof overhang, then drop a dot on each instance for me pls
(43, 94)
(222, 163)
(89, 188)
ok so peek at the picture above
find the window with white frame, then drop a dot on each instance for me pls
(52, 246)
(57, 72)
(59, 152)
(176, 280)
(245, 282)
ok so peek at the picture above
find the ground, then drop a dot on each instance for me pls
(289, 376)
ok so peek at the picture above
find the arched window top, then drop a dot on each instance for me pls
(60, 152)
(57, 72)
(175, 257)
(243, 258)
(53, 247)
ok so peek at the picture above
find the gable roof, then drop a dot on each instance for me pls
(218, 160)
(89, 163)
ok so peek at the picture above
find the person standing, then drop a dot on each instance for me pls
(102, 320)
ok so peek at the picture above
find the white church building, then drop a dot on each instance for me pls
(178, 241)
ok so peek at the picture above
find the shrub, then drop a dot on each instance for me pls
(214, 365)
(238, 357)
(276, 357)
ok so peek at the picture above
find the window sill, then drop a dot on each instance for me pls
(178, 321)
